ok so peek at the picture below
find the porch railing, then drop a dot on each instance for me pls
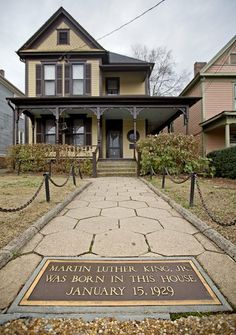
(137, 157)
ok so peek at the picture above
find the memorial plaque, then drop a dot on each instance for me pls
(119, 283)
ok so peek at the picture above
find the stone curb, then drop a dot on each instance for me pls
(227, 246)
(8, 252)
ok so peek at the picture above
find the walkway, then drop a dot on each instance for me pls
(118, 217)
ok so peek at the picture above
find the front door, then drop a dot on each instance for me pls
(114, 138)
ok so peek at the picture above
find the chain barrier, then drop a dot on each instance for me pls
(209, 213)
(177, 181)
(11, 210)
(63, 184)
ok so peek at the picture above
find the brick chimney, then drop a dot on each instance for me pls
(198, 66)
(2, 73)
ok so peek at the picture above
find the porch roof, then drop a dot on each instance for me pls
(219, 120)
(159, 111)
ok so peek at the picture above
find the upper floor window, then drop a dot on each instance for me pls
(49, 79)
(234, 96)
(233, 59)
(78, 79)
(112, 86)
(62, 36)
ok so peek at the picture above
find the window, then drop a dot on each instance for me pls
(77, 79)
(233, 59)
(50, 132)
(78, 132)
(112, 85)
(130, 136)
(63, 36)
(49, 79)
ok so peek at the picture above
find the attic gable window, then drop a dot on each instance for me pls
(63, 36)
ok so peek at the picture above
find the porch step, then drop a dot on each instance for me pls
(119, 167)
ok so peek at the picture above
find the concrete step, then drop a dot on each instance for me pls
(117, 174)
(114, 170)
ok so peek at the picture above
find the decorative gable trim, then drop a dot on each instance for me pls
(218, 55)
(60, 14)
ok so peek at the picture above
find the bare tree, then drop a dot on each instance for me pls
(164, 79)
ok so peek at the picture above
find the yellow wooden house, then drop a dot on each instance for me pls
(80, 94)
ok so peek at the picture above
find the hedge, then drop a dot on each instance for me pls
(224, 162)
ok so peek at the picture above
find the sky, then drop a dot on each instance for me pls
(195, 30)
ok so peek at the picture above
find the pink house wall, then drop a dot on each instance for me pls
(218, 96)
(214, 140)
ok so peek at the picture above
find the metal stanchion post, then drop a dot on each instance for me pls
(47, 189)
(192, 188)
(73, 175)
(163, 179)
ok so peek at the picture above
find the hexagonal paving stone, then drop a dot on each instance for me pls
(132, 204)
(178, 224)
(140, 225)
(77, 204)
(98, 224)
(83, 213)
(66, 243)
(153, 213)
(103, 204)
(29, 247)
(118, 197)
(119, 242)
(60, 223)
(118, 212)
(172, 243)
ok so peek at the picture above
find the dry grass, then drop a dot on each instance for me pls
(219, 195)
(15, 191)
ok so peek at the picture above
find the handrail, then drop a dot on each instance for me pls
(137, 157)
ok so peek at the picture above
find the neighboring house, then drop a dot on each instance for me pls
(80, 94)
(213, 119)
(7, 136)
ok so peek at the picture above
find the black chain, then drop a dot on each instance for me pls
(177, 181)
(10, 210)
(216, 220)
(66, 181)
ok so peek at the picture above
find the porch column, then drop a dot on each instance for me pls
(57, 116)
(135, 127)
(33, 130)
(227, 135)
(17, 117)
(99, 130)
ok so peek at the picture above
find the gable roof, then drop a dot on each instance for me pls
(12, 88)
(202, 72)
(219, 54)
(60, 13)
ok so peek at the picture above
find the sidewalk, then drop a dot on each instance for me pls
(118, 217)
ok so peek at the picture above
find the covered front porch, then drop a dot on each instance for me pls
(107, 127)
(220, 131)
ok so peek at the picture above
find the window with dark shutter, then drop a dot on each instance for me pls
(88, 79)
(39, 131)
(63, 36)
(59, 79)
(38, 79)
(67, 78)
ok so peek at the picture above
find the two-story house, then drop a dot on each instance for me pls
(80, 94)
(7, 115)
(213, 119)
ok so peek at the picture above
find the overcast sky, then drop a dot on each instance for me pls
(194, 29)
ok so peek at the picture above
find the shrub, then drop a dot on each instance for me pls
(224, 162)
(178, 153)
(35, 158)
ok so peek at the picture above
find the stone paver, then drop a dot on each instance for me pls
(77, 204)
(83, 213)
(66, 243)
(132, 204)
(178, 224)
(32, 244)
(118, 213)
(140, 225)
(153, 213)
(60, 223)
(14, 275)
(97, 225)
(119, 242)
(207, 244)
(170, 243)
(222, 270)
(103, 204)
